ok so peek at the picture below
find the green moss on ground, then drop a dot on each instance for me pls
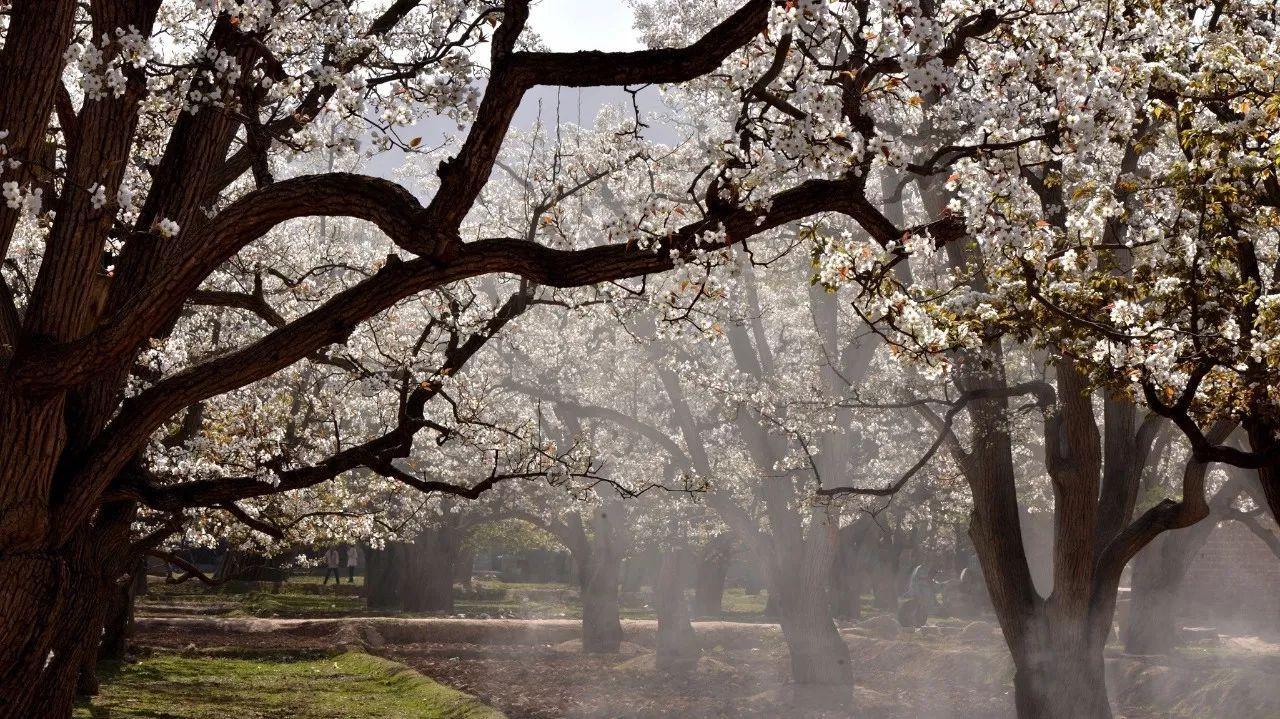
(347, 686)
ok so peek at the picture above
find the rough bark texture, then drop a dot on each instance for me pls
(818, 655)
(52, 610)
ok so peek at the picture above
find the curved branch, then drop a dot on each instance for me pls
(667, 65)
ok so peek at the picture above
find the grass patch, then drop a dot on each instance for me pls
(261, 604)
(347, 686)
(305, 598)
(737, 604)
(288, 605)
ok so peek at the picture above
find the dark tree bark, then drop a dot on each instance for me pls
(427, 582)
(1057, 642)
(1060, 673)
(64, 598)
(382, 577)
(118, 627)
(677, 650)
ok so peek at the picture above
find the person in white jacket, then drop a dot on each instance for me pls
(331, 566)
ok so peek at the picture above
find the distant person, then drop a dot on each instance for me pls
(331, 563)
(353, 563)
(920, 600)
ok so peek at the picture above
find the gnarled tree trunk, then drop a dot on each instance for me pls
(52, 608)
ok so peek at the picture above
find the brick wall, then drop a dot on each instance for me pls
(1234, 582)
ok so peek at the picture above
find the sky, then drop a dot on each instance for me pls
(565, 26)
(568, 25)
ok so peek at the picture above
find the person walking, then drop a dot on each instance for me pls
(353, 563)
(331, 564)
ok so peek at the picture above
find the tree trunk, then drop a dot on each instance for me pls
(427, 582)
(118, 625)
(382, 577)
(1060, 679)
(846, 577)
(1158, 571)
(677, 649)
(818, 653)
(713, 569)
(51, 613)
(601, 624)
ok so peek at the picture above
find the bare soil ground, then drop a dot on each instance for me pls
(533, 669)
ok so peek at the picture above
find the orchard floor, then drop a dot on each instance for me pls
(282, 685)
(533, 669)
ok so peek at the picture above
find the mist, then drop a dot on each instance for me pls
(750, 358)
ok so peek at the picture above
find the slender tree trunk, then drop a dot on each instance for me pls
(713, 569)
(677, 649)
